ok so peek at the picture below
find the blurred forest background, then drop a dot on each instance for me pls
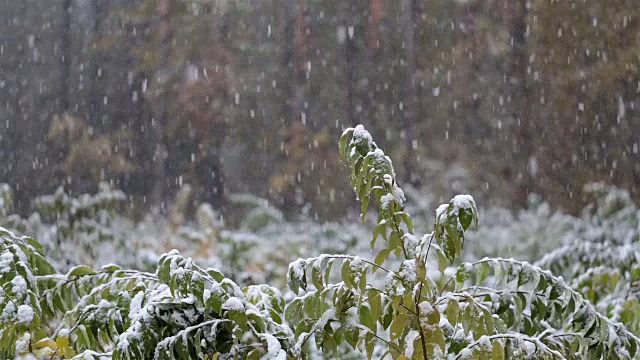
(499, 98)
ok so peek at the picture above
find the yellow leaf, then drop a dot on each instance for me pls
(69, 353)
(62, 341)
(46, 342)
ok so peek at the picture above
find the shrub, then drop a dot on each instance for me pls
(402, 304)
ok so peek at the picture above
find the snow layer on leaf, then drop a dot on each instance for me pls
(398, 195)
(385, 200)
(361, 136)
(6, 259)
(408, 271)
(233, 304)
(273, 346)
(22, 344)
(25, 314)
(19, 285)
(464, 202)
(136, 305)
(410, 244)
(441, 209)
(411, 336)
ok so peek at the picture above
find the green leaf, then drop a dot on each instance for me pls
(254, 355)
(538, 307)
(407, 220)
(345, 273)
(482, 271)
(215, 302)
(462, 274)
(164, 271)
(380, 228)
(488, 321)
(466, 217)
(366, 318)
(217, 275)
(363, 282)
(375, 302)
(398, 325)
(329, 344)
(197, 343)
(327, 270)
(524, 276)
(439, 338)
(80, 270)
(352, 336)
(381, 257)
(316, 277)
(343, 142)
(497, 350)
(111, 268)
(452, 311)
(364, 206)
(369, 344)
(443, 261)
(467, 318)
(394, 240)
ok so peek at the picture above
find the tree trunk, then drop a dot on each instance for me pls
(98, 12)
(408, 131)
(376, 12)
(160, 185)
(517, 89)
(301, 59)
(65, 56)
(349, 68)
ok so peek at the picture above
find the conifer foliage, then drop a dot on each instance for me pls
(403, 303)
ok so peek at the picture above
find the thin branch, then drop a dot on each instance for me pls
(556, 281)
(445, 286)
(381, 339)
(534, 340)
(429, 247)
(422, 336)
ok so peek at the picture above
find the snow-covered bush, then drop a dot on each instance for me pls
(489, 308)
(83, 224)
(601, 259)
(527, 234)
(403, 303)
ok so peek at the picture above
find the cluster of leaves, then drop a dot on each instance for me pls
(181, 311)
(403, 304)
(81, 222)
(489, 308)
(21, 316)
(602, 260)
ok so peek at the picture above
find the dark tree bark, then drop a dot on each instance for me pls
(410, 100)
(376, 12)
(158, 121)
(301, 57)
(517, 89)
(65, 56)
(98, 9)
(350, 76)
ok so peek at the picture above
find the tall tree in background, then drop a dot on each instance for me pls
(65, 55)
(538, 96)
(98, 9)
(164, 11)
(517, 94)
(587, 70)
(376, 13)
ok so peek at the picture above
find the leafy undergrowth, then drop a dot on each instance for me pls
(410, 296)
